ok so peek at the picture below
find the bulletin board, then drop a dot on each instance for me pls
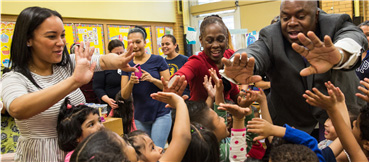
(148, 47)
(92, 33)
(160, 32)
(6, 35)
(119, 32)
(70, 35)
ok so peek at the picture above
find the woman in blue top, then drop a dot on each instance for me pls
(150, 115)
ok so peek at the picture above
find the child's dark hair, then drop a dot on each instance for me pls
(101, 146)
(293, 153)
(138, 29)
(213, 19)
(115, 43)
(124, 111)
(363, 120)
(198, 111)
(174, 41)
(204, 145)
(354, 111)
(69, 124)
(132, 138)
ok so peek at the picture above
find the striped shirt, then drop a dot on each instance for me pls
(38, 136)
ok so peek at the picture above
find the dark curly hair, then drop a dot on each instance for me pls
(124, 111)
(69, 124)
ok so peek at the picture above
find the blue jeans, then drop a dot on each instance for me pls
(157, 130)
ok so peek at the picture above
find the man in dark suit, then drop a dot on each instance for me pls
(295, 59)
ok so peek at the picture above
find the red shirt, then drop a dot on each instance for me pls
(196, 68)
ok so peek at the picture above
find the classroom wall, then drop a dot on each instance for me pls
(138, 10)
(256, 15)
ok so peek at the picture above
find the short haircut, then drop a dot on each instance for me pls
(293, 153)
(365, 23)
(364, 123)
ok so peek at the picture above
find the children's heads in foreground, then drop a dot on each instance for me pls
(145, 148)
(361, 128)
(292, 153)
(204, 145)
(214, 37)
(202, 114)
(104, 146)
(75, 123)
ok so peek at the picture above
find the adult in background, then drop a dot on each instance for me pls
(106, 84)
(174, 60)
(293, 57)
(42, 75)
(150, 115)
(363, 71)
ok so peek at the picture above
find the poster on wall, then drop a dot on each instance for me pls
(92, 33)
(251, 37)
(119, 32)
(6, 36)
(148, 47)
(69, 35)
(160, 32)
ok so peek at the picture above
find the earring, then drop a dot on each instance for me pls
(28, 45)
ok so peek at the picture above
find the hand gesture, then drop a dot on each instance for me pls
(171, 99)
(261, 96)
(112, 103)
(146, 76)
(126, 57)
(236, 111)
(209, 86)
(261, 127)
(322, 56)
(241, 70)
(133, 79)
(218, 82)
(83, 70)
(246, 99)
(177, 86)
(364, 96)
(329, 102)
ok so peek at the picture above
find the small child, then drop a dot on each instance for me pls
(104, 146)
(292, 153)
(181, 136)
(124, 111)
(329, 134)
(75, 123)
(335, 106)
(204, 146)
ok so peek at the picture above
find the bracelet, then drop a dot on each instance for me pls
(342, 56)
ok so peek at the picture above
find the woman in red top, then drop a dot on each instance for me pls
(214, 38)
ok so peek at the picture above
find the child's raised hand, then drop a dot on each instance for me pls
(261, 96)
(365, 90)
(170, 98)
(325, 102)
(133, 79)
(209, 86)
(247, 98)
(261, 127)
(236, 111)
(218, 82)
